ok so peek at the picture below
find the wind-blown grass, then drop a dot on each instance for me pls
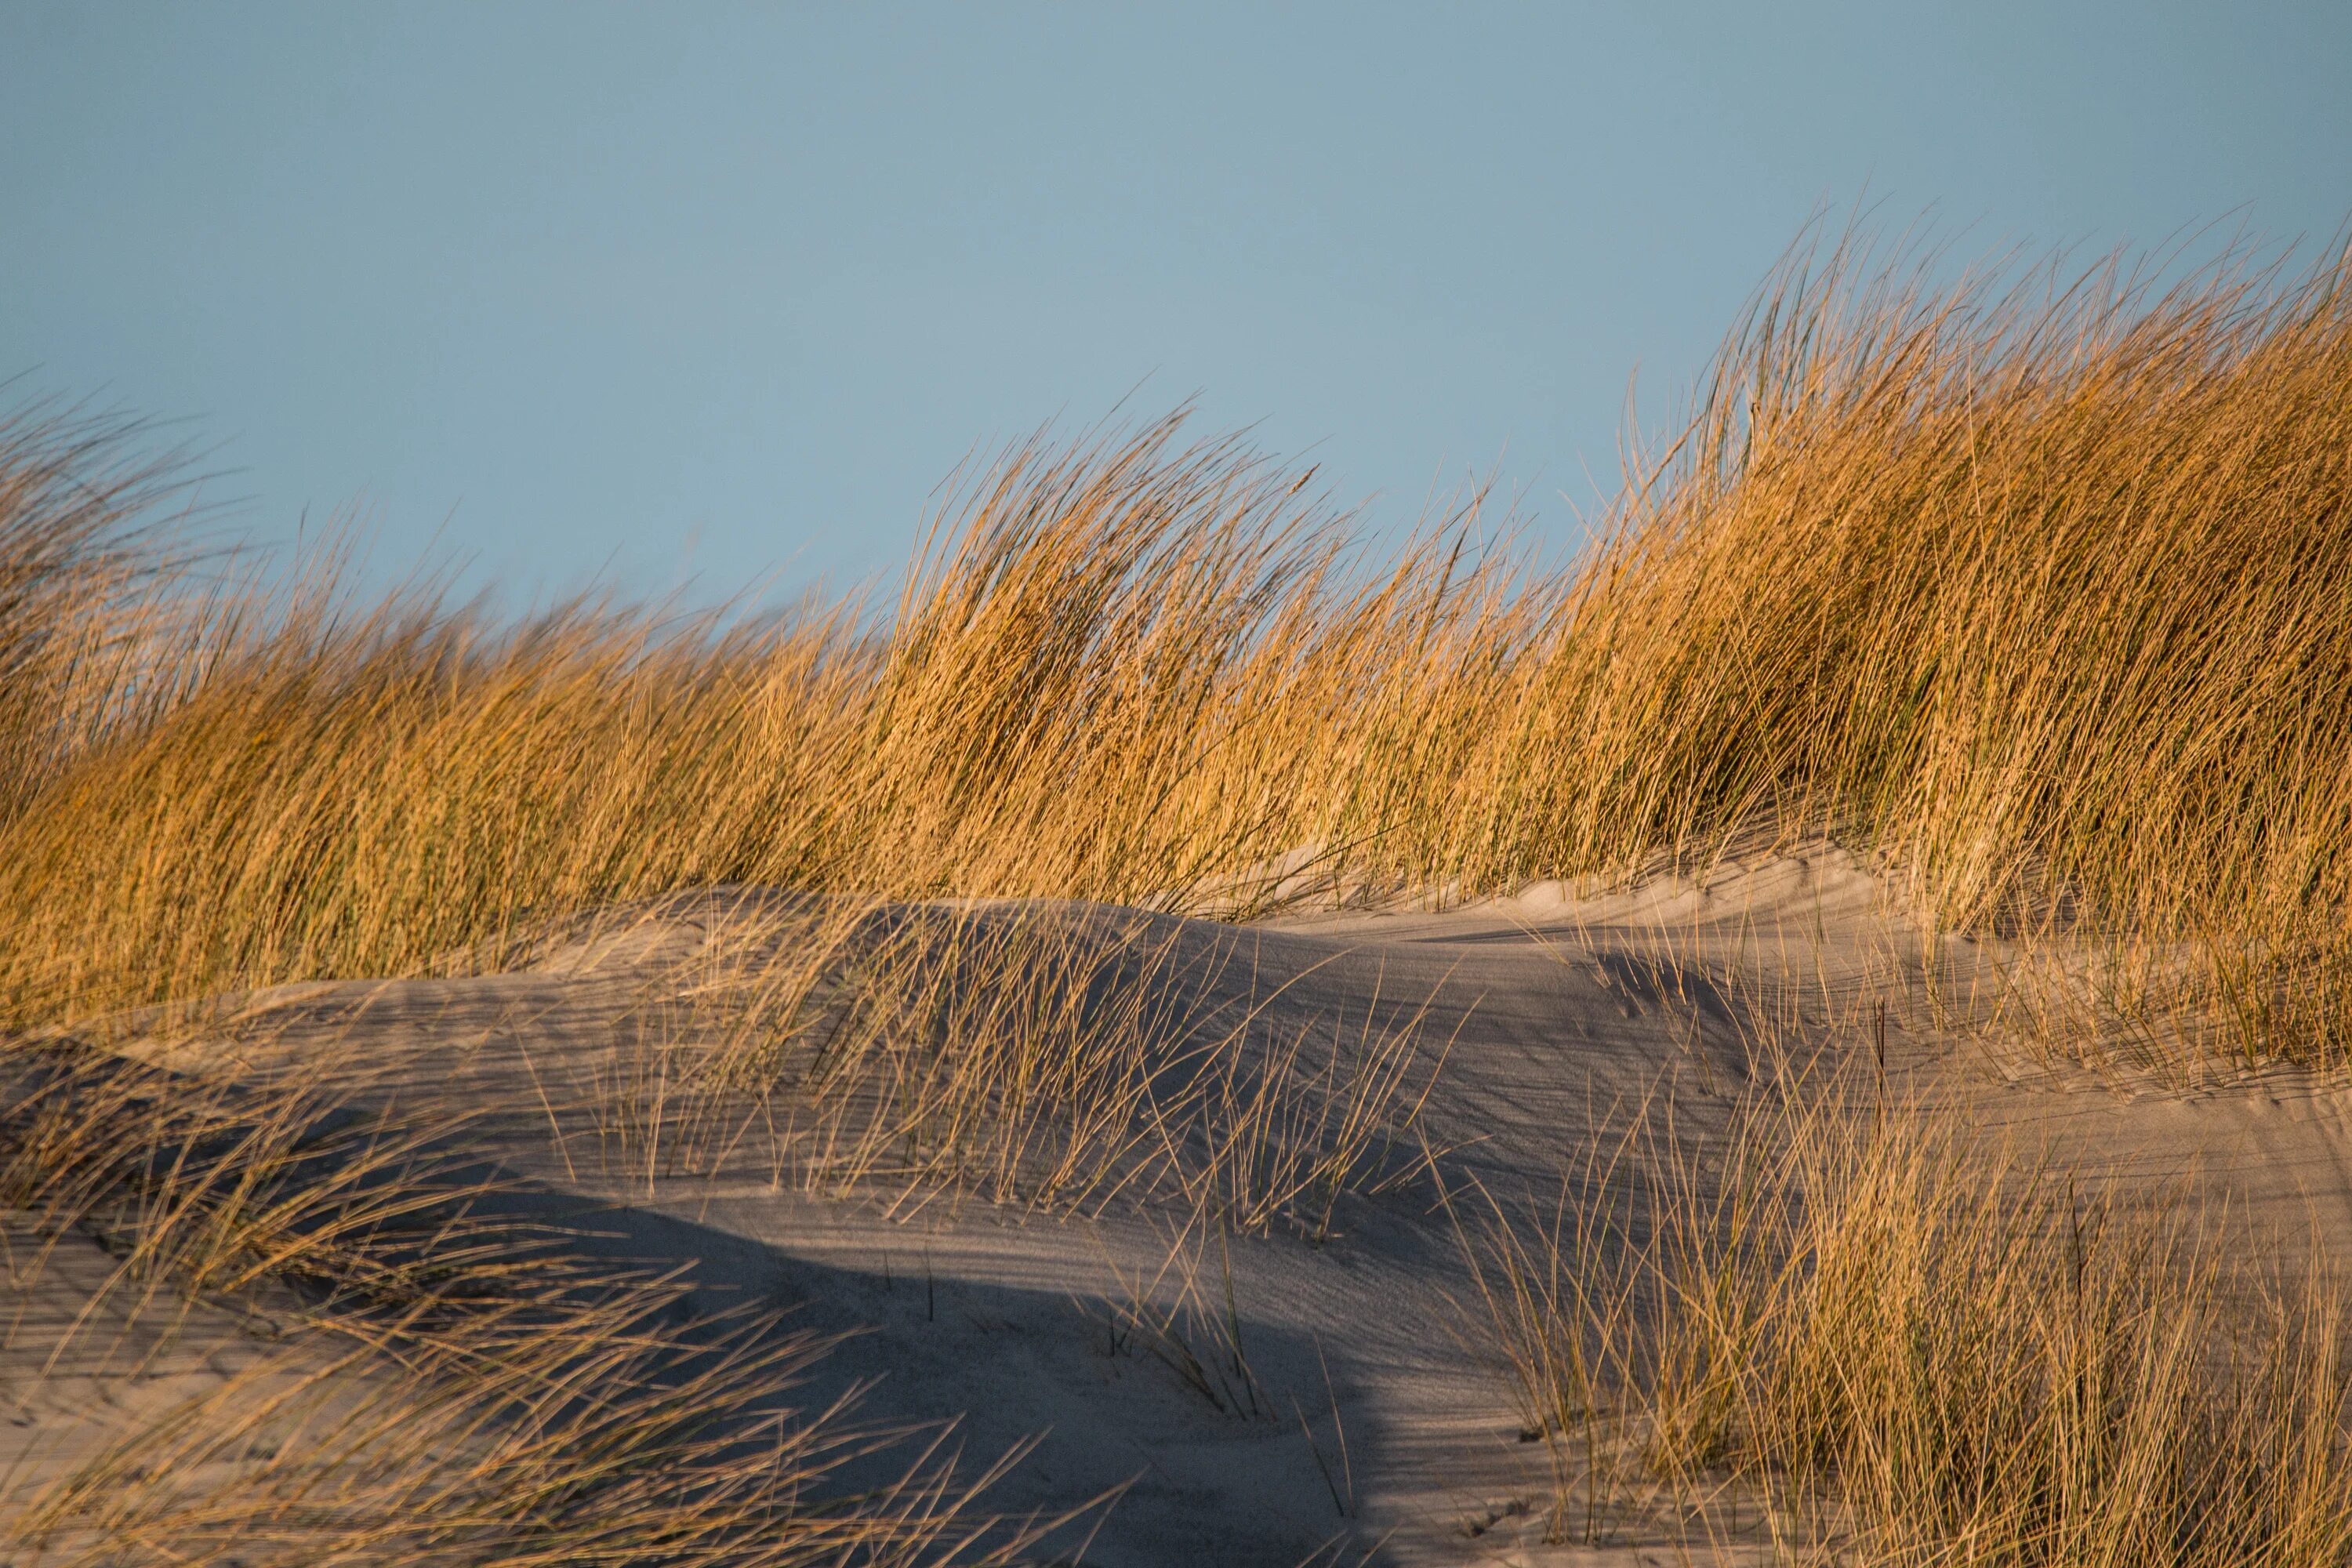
(2037, 591)
(1042, 1055)
(455, 1386)
(1851, 1335)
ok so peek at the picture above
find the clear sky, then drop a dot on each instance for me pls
(565, 287)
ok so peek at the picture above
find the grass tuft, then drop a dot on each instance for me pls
(1849, 1334)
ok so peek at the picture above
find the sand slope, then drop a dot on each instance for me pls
(1368, 1421)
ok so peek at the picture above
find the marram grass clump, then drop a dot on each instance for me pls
(1851, 1333)
(2040, 593)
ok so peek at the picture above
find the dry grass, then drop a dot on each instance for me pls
(598, 1441)
(454, 1388)
(1040, 1055)
(2037, 591)
(459, 1390)
(1847, 1336)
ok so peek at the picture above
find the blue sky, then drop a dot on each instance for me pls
(650, 293)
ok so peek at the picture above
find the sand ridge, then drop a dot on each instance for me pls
(1362, 1419)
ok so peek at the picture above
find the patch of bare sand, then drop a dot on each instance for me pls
(1264, 1398)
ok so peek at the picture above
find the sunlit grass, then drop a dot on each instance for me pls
(2037, 592)
(1848, 1334)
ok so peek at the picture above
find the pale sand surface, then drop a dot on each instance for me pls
(1554, 1014)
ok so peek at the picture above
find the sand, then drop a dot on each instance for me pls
(1372, 1425)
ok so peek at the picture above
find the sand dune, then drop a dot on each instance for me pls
(1362, 1415)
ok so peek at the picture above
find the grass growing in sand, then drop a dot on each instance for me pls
(2037, 591)
(452, 1387)
(1051, 1058)
(1850, 1336)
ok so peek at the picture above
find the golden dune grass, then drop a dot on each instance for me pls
(2038, 592)
(1888, 1349)
(453, 1388)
